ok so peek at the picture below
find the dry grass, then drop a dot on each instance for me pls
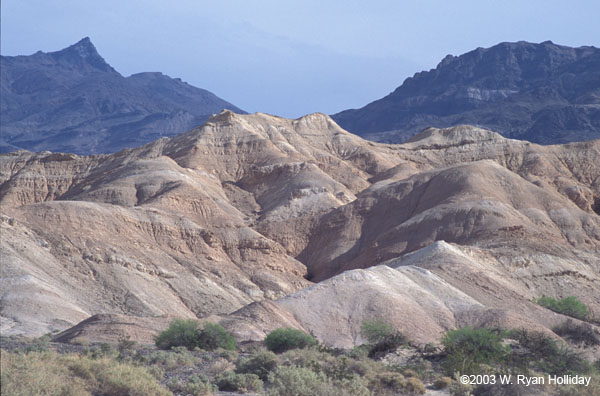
(49, 374)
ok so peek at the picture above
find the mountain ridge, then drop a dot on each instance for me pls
(72, 100)
(544, 93)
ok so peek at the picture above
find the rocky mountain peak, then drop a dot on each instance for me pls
(82, 53)
(72, 100)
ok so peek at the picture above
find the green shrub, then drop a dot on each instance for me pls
(281, 340)
(215, 336)
(582, 333)
(376, 330)
(570, 306)
(467, 349)
(232, 382)
(382, 337)
(187, 333)
(260, 363)
(180, 332)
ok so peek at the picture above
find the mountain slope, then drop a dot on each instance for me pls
(73, 101)
(544, 93)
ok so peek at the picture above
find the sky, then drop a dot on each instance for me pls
(292, 57)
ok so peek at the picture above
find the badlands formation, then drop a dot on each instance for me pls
(260, 222)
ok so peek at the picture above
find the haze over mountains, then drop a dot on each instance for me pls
(234, 221)
(73, 101)
(544, 93)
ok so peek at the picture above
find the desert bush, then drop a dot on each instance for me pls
(442, 382)
(261, 363)
(387, 382)
(196, 385)
(126, 345)
(214, 336)
(51, 374)
(230, 355)
(187, 333)
(232, 382)
(388, 344)
(414, 386)
(180, 332)
(359, 351)
(299, 381)
(376, 330)
(570, 306)
(382, 337)
(219, 366)
(309, 358)
(281, 340)
(548, 355)
(468, 350)
(565, 361)
(351, 387)
(582, 333)
(170, 360)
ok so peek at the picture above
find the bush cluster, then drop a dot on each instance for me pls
(570, 306)
(477, 351)
(468, 350)
(187, 333)
(281, 340)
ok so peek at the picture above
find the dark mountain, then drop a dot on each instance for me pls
(544, 93)
(72, 100)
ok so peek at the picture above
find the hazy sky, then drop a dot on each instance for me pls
(291, 57)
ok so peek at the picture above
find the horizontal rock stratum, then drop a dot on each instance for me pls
(236, 220)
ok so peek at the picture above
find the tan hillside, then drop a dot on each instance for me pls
(227, 220)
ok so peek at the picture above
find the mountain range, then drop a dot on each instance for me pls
(258, 222)
(544, 93)
(73, 101)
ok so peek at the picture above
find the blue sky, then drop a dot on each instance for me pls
(290, 57)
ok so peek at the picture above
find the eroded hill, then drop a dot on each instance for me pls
(236, 219)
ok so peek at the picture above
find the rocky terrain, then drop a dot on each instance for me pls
(237, 220)
(73, 101)
(544, 93)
